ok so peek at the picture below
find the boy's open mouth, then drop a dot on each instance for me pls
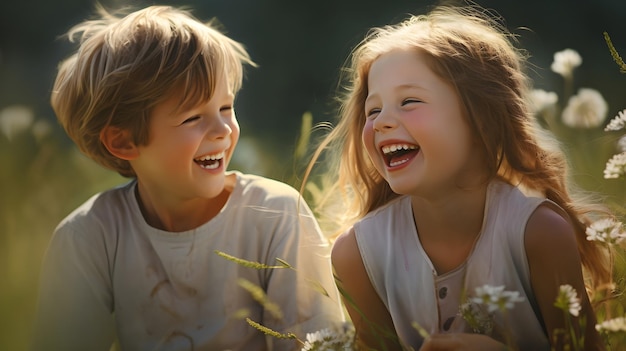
(210, 161)
(397, 154)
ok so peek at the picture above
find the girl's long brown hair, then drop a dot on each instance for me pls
(468, 48)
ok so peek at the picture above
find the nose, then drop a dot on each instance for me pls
(384, 121)
(219, 127)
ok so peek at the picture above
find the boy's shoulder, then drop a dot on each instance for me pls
(265, 188)
(107, 206)
(256, 191)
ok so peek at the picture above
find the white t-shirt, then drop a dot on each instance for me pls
(405, 279)
(108, 272)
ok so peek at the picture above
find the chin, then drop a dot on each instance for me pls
(401, 189)
(407, 189)
(214, 189)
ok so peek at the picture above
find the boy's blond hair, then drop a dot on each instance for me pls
(124, 66)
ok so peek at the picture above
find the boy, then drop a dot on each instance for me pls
(150, 95)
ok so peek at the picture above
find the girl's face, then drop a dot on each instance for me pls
(189, 149)
(415, 132)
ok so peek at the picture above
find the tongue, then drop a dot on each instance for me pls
(402, 155)
(209, 163)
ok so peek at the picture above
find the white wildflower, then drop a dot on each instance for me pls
(541, 100)
(508, 299)
(587, 109)
(616, 166)
(15, 120)
(606, 230)
(496, 298)
(565, 61)
(568, 300)
(331, 339)
(612, 325)
(477, 317)
(617, 123)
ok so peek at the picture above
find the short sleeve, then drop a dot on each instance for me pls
(307, 294)
(74, 303)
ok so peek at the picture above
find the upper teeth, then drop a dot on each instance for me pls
(218, 156)
(387, 149)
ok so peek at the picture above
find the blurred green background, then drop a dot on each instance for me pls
(300, 47)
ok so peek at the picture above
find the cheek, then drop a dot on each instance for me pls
(234, 139)
(186, 144)
(367, 137)
(235, 130)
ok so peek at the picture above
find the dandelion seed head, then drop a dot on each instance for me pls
(41, 129)
(15, 120)
(621, 144)
(587, 109)
(541, 100)
(565, 61)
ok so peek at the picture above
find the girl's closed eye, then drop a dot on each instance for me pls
(226, 108)
(372, 112)
(410, 101)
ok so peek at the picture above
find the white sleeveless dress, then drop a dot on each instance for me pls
(404, 278)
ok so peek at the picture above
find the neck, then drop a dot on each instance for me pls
(454, 216)
(449, 226)
(179, 215)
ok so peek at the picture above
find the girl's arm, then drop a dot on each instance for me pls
(554, 260)
(373, 324)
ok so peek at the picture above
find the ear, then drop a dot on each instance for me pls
(119, 143)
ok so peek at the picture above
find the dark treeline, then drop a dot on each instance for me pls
(301, 45)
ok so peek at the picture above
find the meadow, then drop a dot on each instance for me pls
(43, 177)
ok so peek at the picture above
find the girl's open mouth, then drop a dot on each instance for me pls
(399, 154)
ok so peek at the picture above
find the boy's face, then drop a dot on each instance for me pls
(189, 149)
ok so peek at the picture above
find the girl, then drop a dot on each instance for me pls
(451, 187)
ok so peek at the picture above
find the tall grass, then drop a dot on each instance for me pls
(43, 178)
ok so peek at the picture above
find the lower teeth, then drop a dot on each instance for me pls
(210, 165)
(397, 163)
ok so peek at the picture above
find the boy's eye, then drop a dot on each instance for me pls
(226, 108)
(191, 119)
